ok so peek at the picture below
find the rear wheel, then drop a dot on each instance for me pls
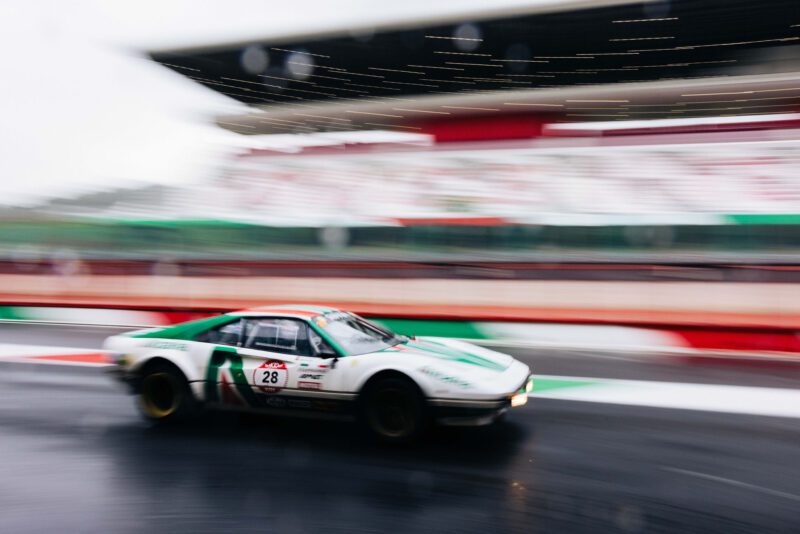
(164, 395)
(393, 410)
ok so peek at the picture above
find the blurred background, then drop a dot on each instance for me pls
(606, 188)
(532, 130)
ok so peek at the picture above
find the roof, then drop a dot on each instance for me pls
(300, 311)
(359, 19)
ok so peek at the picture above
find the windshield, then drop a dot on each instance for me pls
(354, 334)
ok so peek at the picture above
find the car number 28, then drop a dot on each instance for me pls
(271, 376)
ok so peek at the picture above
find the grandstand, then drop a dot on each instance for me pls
(654, 178)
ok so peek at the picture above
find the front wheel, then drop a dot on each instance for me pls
(393, 410)
(164, 395)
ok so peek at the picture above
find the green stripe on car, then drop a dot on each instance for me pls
(436, 348)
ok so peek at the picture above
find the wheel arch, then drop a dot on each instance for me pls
(144, 366)
(390, 373)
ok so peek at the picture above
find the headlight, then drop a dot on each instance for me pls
(529, 385)
(520, 398)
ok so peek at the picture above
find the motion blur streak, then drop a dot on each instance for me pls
(607, 190)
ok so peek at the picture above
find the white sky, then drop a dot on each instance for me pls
(81, 106)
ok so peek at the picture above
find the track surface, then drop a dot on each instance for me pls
(76, 458)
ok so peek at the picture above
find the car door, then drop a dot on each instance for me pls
(252, 360)
(269, 350)
(266, 362)
(214, 353)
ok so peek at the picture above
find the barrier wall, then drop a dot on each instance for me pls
(720, 344)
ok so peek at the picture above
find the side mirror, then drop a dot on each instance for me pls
(328, 353)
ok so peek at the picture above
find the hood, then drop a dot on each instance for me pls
(458, 353)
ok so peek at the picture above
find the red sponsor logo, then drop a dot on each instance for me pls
(309, 385)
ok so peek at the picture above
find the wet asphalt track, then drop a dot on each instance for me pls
(74, 457)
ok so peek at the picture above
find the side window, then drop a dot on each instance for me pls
(287, 336)
(320, 346)
(227, 334)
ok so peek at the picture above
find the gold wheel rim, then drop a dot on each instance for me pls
(159, 396)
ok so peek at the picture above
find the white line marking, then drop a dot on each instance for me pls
(76, 323)
(8, 350)
(774, 402)
(730, 481)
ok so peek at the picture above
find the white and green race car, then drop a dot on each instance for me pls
(310, 360)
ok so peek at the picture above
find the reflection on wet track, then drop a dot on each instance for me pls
(76, 457)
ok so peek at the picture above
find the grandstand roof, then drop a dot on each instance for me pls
(566, 62)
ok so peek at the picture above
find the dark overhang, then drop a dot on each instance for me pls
(618, 44)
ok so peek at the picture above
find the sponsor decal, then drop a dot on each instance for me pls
(226, 392)
(275, 402)
(271, 376)
(328, 406)
(318, 368)
(308, 385)
(280, 402)
(443, 377)
(214, 373)
(169, 345)
(311, 376)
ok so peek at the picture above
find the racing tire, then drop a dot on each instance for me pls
(164, 395)
(393, 410)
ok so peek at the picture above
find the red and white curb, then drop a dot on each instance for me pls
(53, 355)
(685, 344)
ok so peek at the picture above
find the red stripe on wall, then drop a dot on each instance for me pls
(484, 128)
(741, 341)
(89, 357)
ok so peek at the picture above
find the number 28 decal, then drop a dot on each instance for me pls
(271, 376)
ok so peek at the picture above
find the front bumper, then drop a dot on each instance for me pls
(457, 412)
(119, 374)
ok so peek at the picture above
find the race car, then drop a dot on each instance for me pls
(311, 360)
